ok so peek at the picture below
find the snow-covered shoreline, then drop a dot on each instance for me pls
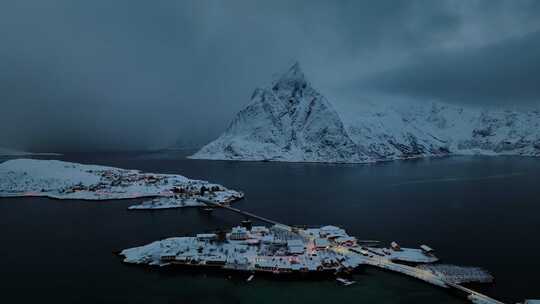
(269, 249)
(65, 180)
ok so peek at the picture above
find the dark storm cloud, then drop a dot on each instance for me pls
(505, 73)
(81, 75)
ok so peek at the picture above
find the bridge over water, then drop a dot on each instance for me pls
(245, 213)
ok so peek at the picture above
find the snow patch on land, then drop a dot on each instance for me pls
(151, 253)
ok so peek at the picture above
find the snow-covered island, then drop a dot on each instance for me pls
(285, 250)
(292, 121)
(66, 180)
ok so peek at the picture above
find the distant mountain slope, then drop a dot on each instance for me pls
(291, 121)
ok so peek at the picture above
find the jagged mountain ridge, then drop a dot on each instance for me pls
(291, 121)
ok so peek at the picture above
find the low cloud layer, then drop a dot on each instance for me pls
(86, 75)
(505, 74)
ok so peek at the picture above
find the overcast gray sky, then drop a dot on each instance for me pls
(106, 74)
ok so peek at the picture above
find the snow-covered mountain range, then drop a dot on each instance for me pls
(291, 121)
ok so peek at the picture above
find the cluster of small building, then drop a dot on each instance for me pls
(170, 186)
(278, 249)
(190, 196)
(120, 178)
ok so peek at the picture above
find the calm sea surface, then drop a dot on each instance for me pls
(479, 211)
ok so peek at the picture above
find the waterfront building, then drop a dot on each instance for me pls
(206, 237)
(260, 230)
(426, 248)
(321, 243)
(238, 233)
(295, 247)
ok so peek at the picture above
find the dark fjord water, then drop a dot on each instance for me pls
(479, 211)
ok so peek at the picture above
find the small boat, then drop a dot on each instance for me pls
(250, 278)
(344, 282)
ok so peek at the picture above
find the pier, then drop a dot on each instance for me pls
(414, 272)
(431, 278)
(478, 297)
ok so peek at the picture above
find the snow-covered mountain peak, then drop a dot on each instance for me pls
(293, 79)
(289, 121)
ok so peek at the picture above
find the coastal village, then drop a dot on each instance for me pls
(292, 251)
(285, 250)
(278, 249)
